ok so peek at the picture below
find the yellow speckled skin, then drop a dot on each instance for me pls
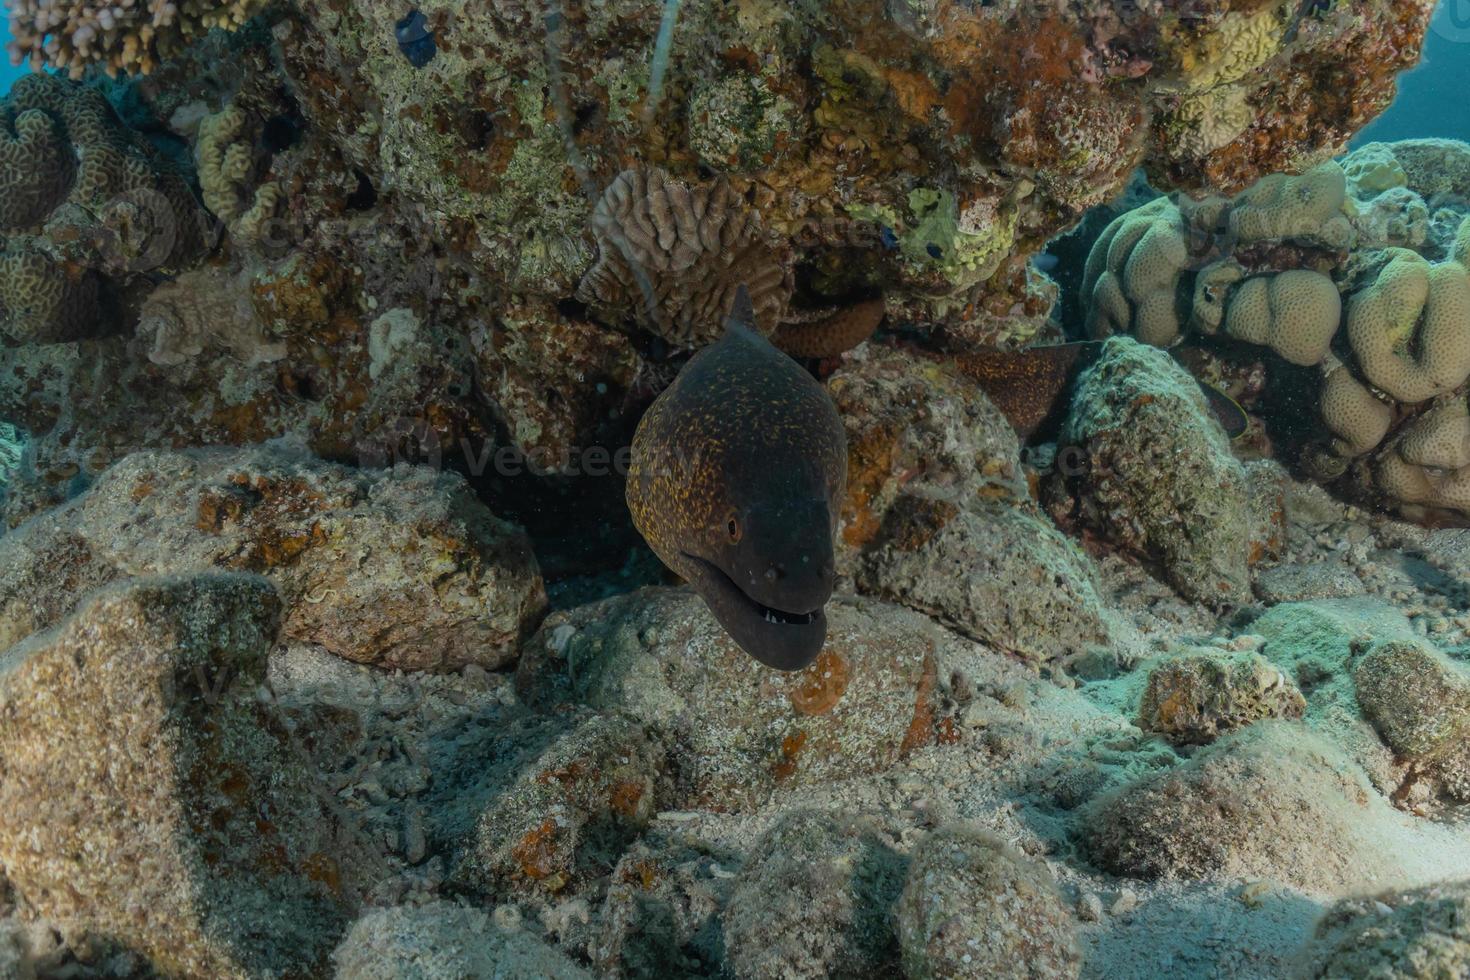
(742, 433)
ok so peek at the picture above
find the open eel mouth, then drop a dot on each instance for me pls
(779, 638)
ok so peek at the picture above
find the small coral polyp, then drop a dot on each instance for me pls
(1313, 266)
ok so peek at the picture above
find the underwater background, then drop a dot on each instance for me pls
(862, 488)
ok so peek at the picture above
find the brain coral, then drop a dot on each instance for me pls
(1410, 327)
(226, 160)
(1295, 313)
(1278, 264)
(1133, 273)
(670, 258)
(1281, 206)
(85, 198)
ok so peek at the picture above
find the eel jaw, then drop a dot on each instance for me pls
(777, 638)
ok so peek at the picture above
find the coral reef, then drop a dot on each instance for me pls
(87, 201)
(327, 644)
(968, 135)
(1353, 268)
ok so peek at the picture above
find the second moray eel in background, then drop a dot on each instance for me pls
(738, 473)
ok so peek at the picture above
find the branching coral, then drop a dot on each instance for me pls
(131, 36)
(670, 258)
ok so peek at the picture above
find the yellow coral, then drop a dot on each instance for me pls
(225, 159)
(1238, 46)
(1354, 416)
(1410, 327)
(1132, 276)
(1295, 313)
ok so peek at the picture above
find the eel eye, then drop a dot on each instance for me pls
(733, 527)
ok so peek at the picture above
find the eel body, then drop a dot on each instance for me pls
(737, 476)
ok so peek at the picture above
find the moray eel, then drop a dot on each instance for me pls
(834, 334)
(1030, 387)
(737, 475)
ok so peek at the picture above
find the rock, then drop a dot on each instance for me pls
(399, 568)
(445, 941)
(734, 728)
(1000, 574)
(912, 421)
(1158, 475)
(975, 907)
(938, 513)
(568, 815)
(150, 798)
(815, 899)
(1419, 702)
(1205, 693)
(15, 956)
(1408, 935)
(1271, 801)
(1299, 581)
(661, 917)
(1322, 635)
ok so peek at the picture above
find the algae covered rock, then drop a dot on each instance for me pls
(938, 514)
(1419, 702)
(1196, 697)
(1156, 472)
(736, 728)
(1272, 801)
(915, 421)
(815, 899)
(974, 907)
(1422, 934)
(151, 799)
(661, 917)
(445, 941)
(568, 815)
(1001, 574)
(400, 568)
